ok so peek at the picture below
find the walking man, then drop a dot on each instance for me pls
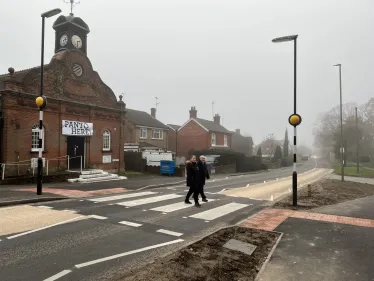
(192, 181)
(203, 174)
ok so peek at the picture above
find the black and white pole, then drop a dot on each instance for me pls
(41, 102)
(294, 119)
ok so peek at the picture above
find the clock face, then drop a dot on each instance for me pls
(63, 40)
(77, 41)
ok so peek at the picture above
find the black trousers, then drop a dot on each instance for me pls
(195, 191)
(201, 191)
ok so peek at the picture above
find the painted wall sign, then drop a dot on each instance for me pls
(76, 128)
(107, 159)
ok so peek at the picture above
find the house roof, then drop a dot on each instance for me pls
(142, 118)
(239, 138)
(212, 126)
(174, 127)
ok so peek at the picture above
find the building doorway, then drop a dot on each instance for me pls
(75, 149)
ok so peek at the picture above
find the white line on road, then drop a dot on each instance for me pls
(221, 191)
(123, 196)
(58, 275)
(127, 253)
(129, 223)
(149, 200)
(247, 185)
(97, 217)
(169, 232)
(42, 228)
(175, 207)
(71, 211)
(219, 211)
(46, 207)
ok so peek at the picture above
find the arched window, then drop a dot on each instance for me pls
(106, 140)
(35, 138)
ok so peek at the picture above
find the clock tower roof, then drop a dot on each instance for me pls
(71, 20)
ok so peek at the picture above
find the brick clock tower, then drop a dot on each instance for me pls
(71, 34)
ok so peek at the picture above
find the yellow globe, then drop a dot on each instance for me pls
(39, 101)
(294, 119)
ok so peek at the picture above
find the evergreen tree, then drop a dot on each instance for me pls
(259, 152)
(278, 153)
(285, 144)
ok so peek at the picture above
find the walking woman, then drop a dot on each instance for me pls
(192, 181)
(203, 174)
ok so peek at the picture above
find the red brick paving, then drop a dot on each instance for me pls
(270, 219)
(76, 193)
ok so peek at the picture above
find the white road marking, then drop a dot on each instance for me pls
(219, 211)
(149, 200)
(169, 232)
(97, 217)
(247, 185)
(184, 217)
(42, 228)
(175, 207)
(221, 190)
(127, 253)
(227, 177)
(272, 197)
(71, 211)
(58, 275)
(129, 223)
(276, 178)
(264, 181)
(123, 196)
(47, 207)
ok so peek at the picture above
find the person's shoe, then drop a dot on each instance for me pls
(197, 205)
(187, 202)
(205, 200)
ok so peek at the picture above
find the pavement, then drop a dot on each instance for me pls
(97, 237)
(332, 243)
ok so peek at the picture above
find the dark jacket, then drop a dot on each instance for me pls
(203, 172)
(192, 174)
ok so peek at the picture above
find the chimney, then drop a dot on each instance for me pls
(217, 119)
(237, 131)
(153, 112)
(193, 112)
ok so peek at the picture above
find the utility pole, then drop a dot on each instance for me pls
(357, 140)
(341, 121)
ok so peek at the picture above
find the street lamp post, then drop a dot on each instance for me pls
(341, 121)
(41, 102)
(294, 119)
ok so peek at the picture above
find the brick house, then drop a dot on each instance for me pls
(201, 134)
(242, 144)
(83, 117)
(144, 130)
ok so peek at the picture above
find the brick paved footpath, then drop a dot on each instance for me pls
(270, 219)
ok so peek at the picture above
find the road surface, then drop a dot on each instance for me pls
(107, 235)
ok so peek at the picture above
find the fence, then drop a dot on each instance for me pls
(29, 167)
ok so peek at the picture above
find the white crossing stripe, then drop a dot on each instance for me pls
(219, 211)
(150, 200)
(123, 196)
(129, 223)
(47, 207)
(169, 232)
(97, 217)
(175, 207)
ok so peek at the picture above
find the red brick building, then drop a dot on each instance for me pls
(82, 116)
(201, 134)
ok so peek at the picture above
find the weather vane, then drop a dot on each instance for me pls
(72, 4)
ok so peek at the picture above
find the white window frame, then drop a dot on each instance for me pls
(213, 139)
(141, 130)
(35, 138)
(106, 140)
(160, 134)
(225, 140)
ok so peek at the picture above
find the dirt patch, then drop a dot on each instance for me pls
(327, 192)
(208, 260)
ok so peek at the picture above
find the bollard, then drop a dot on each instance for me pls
(309, 191)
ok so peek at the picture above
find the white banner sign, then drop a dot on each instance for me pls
(76, 128)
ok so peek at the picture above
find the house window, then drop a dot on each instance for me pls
(225, 140)
(143, 133)
(106, 140)
(213, 139)
(157, 134)
(35, 138)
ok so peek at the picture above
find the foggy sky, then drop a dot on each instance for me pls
(192, 52)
